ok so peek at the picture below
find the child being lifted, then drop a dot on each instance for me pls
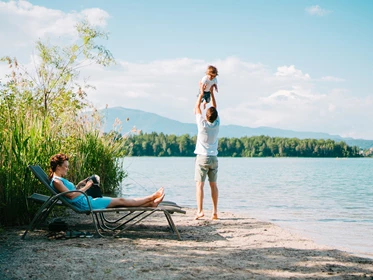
(208, 83)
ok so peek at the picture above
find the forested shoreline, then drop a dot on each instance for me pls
(163, 145)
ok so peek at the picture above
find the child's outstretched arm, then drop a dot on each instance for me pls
(202, 87)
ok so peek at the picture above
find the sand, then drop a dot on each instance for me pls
(233, 247)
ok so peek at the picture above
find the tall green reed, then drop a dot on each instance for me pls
(95, 152)
(31, 138)
(40, 116)
(26, 139)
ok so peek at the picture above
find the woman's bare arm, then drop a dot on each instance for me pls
(61, 188)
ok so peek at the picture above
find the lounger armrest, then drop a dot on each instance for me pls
(63, 193)
(171, 209)
(41, 198)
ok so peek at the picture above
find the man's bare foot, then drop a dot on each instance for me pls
(199, 215)
(214, 217)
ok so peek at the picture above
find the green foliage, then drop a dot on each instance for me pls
(154, 144)
(40, 116)
(94, 155)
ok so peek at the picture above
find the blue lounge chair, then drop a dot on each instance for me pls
(103, 226)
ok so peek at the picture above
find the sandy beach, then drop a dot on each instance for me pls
(233, 247)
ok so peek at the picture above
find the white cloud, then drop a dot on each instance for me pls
(25, 23)
(332, 107)
(317, 11)
(291, 71)
(331, 79)
(94, 16)
(296, 94)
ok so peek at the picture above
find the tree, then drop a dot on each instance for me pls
(54, 84)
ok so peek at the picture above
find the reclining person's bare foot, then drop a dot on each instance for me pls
(158, 200)
(159, 193)
(199, 215)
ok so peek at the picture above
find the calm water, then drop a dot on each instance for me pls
(327, 200)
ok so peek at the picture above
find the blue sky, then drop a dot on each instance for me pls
(294, 64)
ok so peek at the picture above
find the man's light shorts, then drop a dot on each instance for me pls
(206, 165)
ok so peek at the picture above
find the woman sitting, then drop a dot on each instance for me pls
(60, 165)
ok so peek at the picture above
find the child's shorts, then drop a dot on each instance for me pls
(206, 96)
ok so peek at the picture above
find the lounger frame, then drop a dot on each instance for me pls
(104, 226)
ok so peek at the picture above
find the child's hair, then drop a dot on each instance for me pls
(212, 70)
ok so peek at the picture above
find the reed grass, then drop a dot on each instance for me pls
(30, 138)
(41, 115)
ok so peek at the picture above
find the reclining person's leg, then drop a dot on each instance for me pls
(147, 201)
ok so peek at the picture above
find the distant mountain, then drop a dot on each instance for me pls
(144, 121)
(150, 122)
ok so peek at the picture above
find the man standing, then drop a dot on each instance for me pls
(206, 150)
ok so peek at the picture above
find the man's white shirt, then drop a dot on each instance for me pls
(207, 137)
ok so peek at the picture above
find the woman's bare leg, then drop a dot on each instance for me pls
(154, 203)
(151, 200)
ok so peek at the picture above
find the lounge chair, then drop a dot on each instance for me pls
(103, 226)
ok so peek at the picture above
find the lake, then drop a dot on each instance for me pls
(329, 200)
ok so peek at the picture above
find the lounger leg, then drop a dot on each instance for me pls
(96, 224)
(41, 215)
(106, 221)
(100, 218)
(172, 224)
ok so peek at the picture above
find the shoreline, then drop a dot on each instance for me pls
(235, 246)
(357, 250)
(309, 232)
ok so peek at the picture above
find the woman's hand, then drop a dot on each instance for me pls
(82, 183)
(89, 184)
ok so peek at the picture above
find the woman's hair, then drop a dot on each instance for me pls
(57, 160)
(212, 70)
(211, 114)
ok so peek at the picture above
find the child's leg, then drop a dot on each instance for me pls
(207, 98)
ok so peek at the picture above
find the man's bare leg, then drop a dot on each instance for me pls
(199, 198)
(214, 196)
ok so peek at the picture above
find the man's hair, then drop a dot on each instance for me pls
(211, 114)
(212, 70)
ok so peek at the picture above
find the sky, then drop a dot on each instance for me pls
(290, 64)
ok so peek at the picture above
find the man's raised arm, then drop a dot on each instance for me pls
(197, 107)
(213, 101)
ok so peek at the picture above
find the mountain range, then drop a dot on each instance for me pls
(132, 119)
